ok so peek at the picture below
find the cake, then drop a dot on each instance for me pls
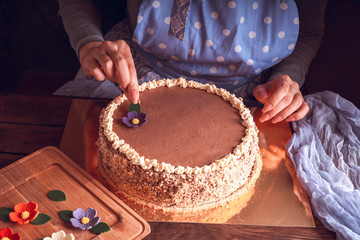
(198, 149)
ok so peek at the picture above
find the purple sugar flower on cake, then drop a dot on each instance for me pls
(84, 219)
(134, 119)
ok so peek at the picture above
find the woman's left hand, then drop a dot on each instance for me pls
(282, 100)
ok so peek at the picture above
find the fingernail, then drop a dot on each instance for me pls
(135, 100)
(267, 108)
(134, 97)
(264, 117)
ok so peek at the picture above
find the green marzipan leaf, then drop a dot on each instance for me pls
(65, 215)
(135, 107)
(4, 214)
(99, 228)
(41, 219)
(57, 195)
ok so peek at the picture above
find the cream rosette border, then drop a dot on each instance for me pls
(120, 145)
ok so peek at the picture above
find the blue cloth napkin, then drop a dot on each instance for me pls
(325, 149)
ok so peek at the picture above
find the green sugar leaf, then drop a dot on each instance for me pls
(57, 195)
(65, 215)
(135, 107)
(99, 228)
(4, 214)
(41, 219)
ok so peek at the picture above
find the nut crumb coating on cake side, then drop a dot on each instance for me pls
(164, 185)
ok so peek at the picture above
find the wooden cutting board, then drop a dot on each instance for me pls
(31, 178)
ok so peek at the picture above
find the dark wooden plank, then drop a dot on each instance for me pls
(34, 110)
(6, 159)
(42, 83)
(25, 139)
(167, 230)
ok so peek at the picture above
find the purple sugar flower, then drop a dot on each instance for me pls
(84, 219)
(134, 119)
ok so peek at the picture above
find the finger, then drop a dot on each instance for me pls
(132, 90)
(93, 69)
(107, 65)
(285, 102)
(281, 89)
(122, 75)
(260, 93)
(289, 109)
(133, 87)
(126, 76)
(120, 63)
(87, 50)
(302, 111)
(98, 74)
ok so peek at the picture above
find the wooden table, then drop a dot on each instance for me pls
(28, 123)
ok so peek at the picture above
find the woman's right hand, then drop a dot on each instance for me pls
(111, 60)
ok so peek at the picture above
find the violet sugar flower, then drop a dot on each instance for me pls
(84, 219)
(134, 119)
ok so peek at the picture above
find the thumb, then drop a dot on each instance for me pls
(260, 92)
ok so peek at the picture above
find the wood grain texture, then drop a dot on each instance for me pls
(25, 139)
(198, 231)
(28, 123)
(6, 158)
(34, 110)
(31, 178)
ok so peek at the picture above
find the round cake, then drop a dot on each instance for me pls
(198, 148)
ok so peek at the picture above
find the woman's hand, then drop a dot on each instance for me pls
(282, 100)
(111, 60)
